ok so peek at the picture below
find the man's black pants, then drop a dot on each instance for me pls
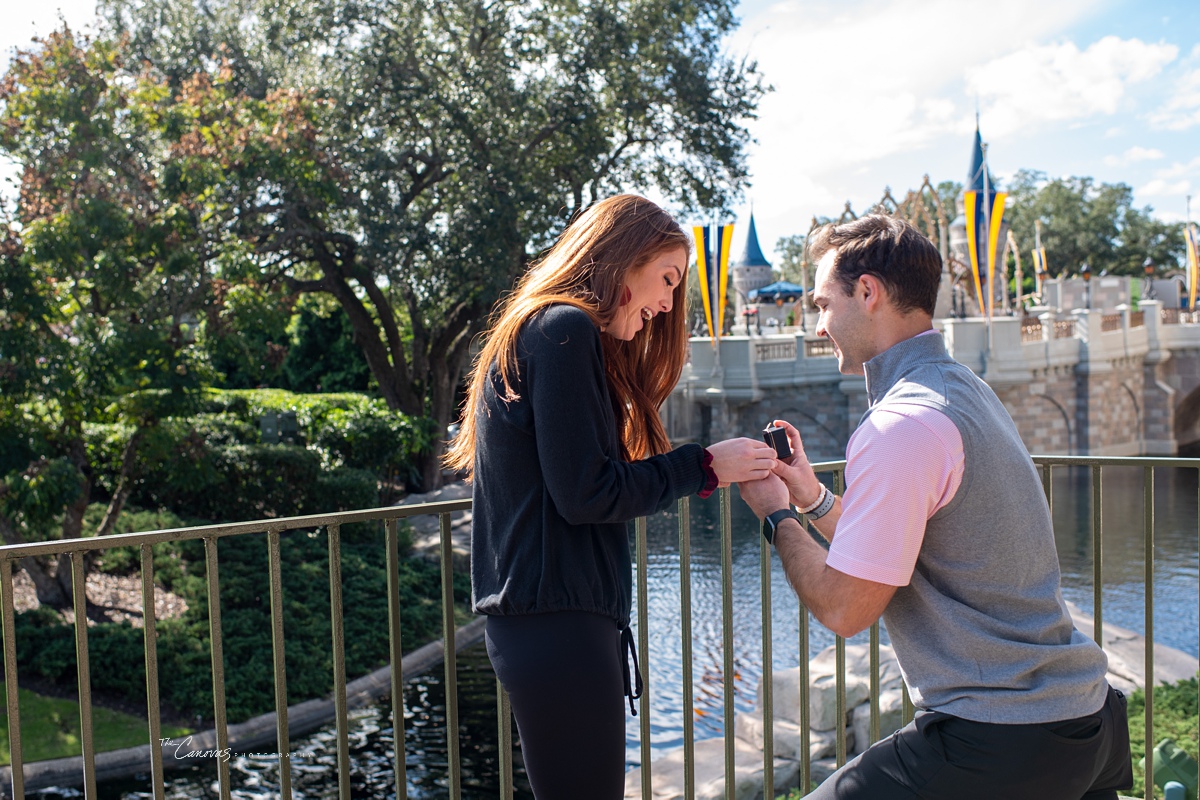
(938, 756)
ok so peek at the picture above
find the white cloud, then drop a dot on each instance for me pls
(1060, 82)
(1182, 109)
(1133, 155)
(20, 22)
(1159, 187)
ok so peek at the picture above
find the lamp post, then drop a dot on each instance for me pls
(1086, 272)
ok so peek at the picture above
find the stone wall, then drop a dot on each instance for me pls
(1044, 410)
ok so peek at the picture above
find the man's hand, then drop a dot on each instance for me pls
(796, 472)
(765, 496)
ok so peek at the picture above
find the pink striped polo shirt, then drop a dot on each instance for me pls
(902, 464)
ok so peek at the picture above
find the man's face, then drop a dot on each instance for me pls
(843, 319)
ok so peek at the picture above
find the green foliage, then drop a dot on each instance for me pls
(33, 498)
(791, 250)
(45, 646)
(1082, 221)
(246, 333)
(1175, 717)
(322, 356)
(347, 155)
(213, 465)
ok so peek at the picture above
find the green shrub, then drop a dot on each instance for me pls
(1175, 717)
(46, 645)
(213, 465)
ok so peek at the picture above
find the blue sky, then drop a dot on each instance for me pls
(876, 93)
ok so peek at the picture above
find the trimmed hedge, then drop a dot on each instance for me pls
(215, 466)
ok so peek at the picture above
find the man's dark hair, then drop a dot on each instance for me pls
(900, 256)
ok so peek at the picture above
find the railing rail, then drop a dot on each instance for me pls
(271, 529)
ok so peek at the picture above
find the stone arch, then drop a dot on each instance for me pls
(1052, 441)
(1139, 422)
(1187, 421)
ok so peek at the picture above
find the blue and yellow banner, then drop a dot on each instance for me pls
(1039, 267)
(971, 205)
(969, 208)
(993, 241)
(712, 264)
(1193, 264)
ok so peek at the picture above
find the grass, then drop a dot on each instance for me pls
(50, 729)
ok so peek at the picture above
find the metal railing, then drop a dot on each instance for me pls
(1111, 322)
(1031, 330)
(271, 529)
(74, 550)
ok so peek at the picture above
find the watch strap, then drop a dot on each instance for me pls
(772, 520)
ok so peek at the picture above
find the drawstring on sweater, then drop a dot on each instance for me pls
(634, 691)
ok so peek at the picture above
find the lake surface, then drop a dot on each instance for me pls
(1176, 620)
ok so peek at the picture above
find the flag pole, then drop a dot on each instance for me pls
(987, 226)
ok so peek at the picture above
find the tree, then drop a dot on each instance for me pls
(103, 277)
(440, 146)
(791, 258)
(1085, 222)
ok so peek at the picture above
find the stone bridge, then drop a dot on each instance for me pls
(1087, 382)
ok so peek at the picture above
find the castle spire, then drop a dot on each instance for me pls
(753, 256)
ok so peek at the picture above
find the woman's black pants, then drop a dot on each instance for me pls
(563, 675)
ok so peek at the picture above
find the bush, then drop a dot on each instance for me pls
(1175, 715)
(46, 645)
(214, 464)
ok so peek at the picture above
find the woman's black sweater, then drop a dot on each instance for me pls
(552, 495)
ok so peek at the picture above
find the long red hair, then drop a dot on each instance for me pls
(587, 268)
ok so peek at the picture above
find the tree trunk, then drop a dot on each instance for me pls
(49, 590)
(121, 492)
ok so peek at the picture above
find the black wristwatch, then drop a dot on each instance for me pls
(772, 520)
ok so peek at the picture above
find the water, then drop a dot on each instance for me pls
(1176, 621)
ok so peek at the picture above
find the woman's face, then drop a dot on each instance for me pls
(651, 291)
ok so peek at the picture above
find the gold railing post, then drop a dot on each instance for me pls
(643, 621)
(504, 719)
(279, 665)
(83, 668)
(727, 636)
(685, 620)
(764, 560)
(396, 653)
(450, 658)
(218, 664)
(1097, 556)
(11, 690)
(1148, 525)
(150, 642)
(339, 660)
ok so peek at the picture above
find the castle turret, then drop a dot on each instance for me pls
(751, 271)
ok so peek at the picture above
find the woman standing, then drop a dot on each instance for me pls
(562, 434)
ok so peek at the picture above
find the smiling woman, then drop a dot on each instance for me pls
(562, 433)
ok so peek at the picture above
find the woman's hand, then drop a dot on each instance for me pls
(803, 484)
(739, 460)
